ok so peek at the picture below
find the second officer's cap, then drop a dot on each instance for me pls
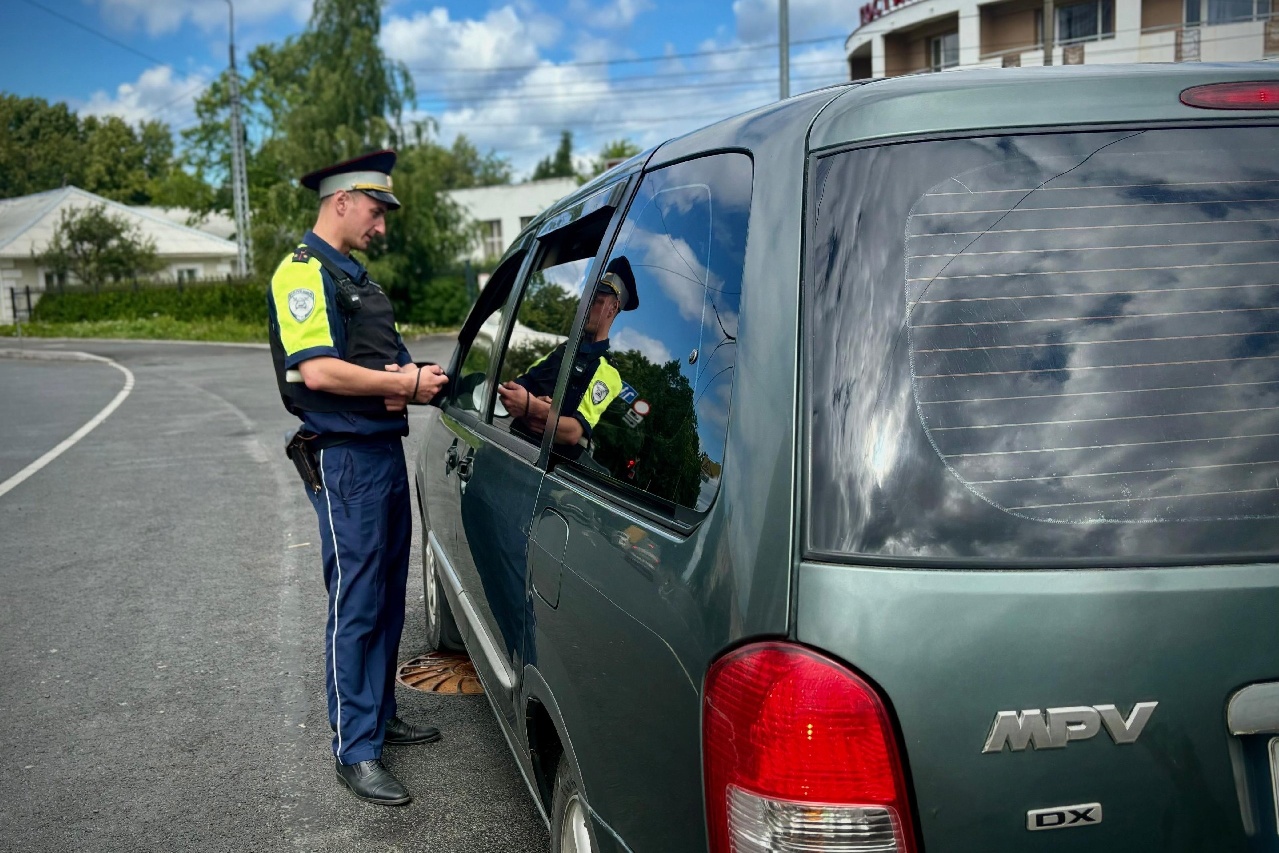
(369, 174)
(619, 280)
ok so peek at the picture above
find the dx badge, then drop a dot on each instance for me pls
(1063, 817)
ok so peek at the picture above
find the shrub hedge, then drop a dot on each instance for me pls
(243, 302)
(439, 303)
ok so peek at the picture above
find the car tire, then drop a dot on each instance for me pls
(442, 633)
(570, 817)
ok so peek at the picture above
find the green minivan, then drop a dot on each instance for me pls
(919, 492)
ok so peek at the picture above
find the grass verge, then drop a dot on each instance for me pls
(214, 329)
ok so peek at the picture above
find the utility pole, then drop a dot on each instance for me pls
(1050, 19)
(239, 174)
(783, 46)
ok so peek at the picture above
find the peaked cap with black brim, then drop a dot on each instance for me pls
(619, 279)
(369, 174)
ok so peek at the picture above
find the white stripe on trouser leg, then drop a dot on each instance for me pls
(337, 595)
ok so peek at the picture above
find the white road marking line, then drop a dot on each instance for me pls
(12, 483)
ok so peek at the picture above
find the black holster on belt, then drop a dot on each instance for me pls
(299, 447)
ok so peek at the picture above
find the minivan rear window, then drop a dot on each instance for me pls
(1046, 348)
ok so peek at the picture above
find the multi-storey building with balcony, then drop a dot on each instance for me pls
(910, 36)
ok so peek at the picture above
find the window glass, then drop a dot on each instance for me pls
(491, 238)
(537, 344)
(1086, 21)
(945, 51)
(472, 390)
(1226, 11)
(542, 325)
(658, 376)
(1063, 346)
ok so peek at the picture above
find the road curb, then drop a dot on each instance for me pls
(48, 355)
(145, 341)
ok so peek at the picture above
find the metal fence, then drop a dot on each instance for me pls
(21, 303)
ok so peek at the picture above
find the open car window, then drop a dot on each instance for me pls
(471, 389)
(548, 305)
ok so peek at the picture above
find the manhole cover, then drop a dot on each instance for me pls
(441, 672)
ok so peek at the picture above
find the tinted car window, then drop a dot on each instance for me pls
(684, 238)
(1060, 347)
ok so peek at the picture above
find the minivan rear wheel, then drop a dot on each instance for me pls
(570, 826)
(441, 628)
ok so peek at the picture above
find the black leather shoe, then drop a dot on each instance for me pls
(400, 733)
(372, 782)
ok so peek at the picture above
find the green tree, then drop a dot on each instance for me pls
(559, 164)
(548, 307)
(462, 165)
(46, 146)
(40, 146)
(97, 247)
(423, 239)
(665, 447)
(326, 95)
(618, 149)
(120, 162)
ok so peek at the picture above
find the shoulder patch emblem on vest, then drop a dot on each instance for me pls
(301, 256)
(301, 303)
(599, 391)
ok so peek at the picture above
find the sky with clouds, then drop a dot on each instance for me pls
(510, 74)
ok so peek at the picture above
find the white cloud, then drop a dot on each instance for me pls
(432, 40)
(161, 17)
(651, 348)
(505, 95)
(157, 94)
(614, 15)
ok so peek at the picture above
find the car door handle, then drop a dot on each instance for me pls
(465, 467)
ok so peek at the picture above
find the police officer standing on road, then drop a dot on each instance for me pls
(343, 369)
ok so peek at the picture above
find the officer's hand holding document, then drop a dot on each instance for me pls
(425, 388)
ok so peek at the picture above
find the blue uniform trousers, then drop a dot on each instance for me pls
(366, 525)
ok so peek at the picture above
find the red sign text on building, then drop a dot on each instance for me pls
(879, 8)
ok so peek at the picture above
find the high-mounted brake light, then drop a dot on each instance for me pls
(799, 755)
(1233, 96)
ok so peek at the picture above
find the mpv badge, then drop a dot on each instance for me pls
(1058, 726)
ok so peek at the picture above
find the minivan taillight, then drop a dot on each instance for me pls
(799, 755)
(1233, 96)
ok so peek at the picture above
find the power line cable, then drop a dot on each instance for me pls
(477, 69)
(151, 111)
(88, 29)
(618, 81)
(569, 124)
(656, 75)
(613, 93)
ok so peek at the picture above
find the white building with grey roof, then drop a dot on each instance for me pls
(27, 224)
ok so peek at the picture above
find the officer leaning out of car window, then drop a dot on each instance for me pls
(593, 383)
(342, 368)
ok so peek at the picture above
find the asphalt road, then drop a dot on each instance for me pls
(161, 634)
